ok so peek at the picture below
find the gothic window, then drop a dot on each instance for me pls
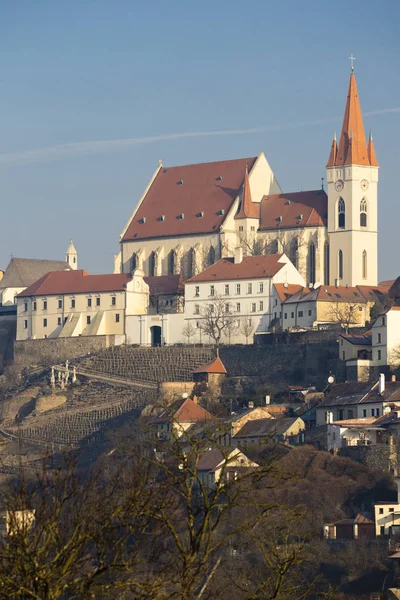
(211, 255)
(363, 213)
(311, 263)
(171, 262)
(274, 247)
(340, 264)
(133, 262)
(294, 246)
(152, 264)
(326, 263)
(341, 213)
(364, 265)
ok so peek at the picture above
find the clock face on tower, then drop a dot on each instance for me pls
(364, 184)
(339, 185)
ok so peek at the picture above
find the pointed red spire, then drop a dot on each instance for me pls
(371, 152)
(247, 208)
(353, 129)
(332, 156)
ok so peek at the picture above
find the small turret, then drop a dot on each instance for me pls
(72, 256)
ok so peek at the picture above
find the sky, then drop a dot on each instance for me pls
(94, 92)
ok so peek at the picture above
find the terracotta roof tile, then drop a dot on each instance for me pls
(213, 366)
(189, 190)
(286, 290)
(297, 209)
(248, 209)
(76, 282)
(251, 267)
(352, 148)
(183, 411)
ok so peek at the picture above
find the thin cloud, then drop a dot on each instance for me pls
(101, 146)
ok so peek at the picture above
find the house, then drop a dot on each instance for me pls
(214, 466)
(211, 372)
(357, 400)
(387, 516)
(249, 414)
(325, 305)
(362, 527)
(73, 303)
(178, 418)
(280, 293)
(244, 285)
(287, 430)
(23, 272)
(355, 346)
(353, 432)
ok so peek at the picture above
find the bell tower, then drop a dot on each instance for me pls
(352, 176)
(72, 256)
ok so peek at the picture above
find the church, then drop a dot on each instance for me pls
(191, 216)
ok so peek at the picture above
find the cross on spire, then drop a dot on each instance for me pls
(352, 59)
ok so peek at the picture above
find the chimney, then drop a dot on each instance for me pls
(194, 399)
(250, 404)
(381, 383)
(267, 400)
(238, 255)
(393, 377)
(336, 282)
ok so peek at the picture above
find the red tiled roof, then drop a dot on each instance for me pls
(285, 290)
(248, 209)
(189, 190)
(183, 411)
(352, 148)
(213, 366)
(251, 267)
(75, 282)
(284, 210)
(165, 284)
(329, 293)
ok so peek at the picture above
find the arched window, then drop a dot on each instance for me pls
(364, 265)
(340, 265)
(171, 262)
(311, 263)
(294, 246)
(326, 263)
(363, 213)
(341, 213)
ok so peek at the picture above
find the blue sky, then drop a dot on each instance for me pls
(74, 72)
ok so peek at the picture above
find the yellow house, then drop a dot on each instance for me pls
(74, 303)
(329, 304)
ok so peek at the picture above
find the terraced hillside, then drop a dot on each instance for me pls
(155, 365)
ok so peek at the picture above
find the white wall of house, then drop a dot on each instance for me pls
(7, 295)
(298, 314)
(348, 411)
(249, 299)
(139, 329)
(339, 436)
(387, 514)
(386, 337)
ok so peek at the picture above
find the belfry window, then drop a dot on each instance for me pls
(364, 265)
(341, 213)
(340, 264)
(363, 213)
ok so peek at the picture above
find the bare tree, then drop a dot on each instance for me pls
(188, 331)
(217, 320)
(246, 328)
(347, 314)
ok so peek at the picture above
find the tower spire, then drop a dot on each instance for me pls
(353, 129)
(371, 152)
(333, 153)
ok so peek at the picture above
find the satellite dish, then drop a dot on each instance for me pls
(331, 379)
(185, 395)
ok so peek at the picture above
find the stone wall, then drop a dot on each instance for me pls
(53, 350)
